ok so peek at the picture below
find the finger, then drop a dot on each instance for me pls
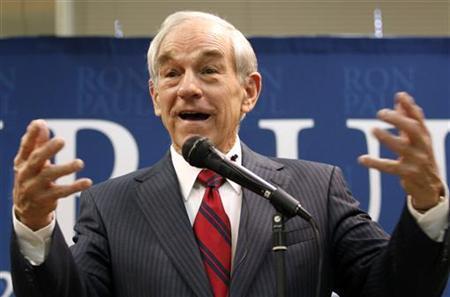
(44, 133)
(399, 108)
(411, 127)
(61, 191)
(409, 106)
(397, 144)
(35, 130)
(404, 170)
(53, 172)
(39, 157)
(385, 165)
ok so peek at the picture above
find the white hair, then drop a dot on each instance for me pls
(244, 56)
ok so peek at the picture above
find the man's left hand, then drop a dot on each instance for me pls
(416, 165)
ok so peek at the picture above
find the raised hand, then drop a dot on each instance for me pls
(416, 165)
(35, 192)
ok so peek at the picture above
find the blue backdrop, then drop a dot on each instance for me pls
(319, 100)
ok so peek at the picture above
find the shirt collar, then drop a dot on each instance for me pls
(187, 174)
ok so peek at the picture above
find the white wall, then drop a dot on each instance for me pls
(292, 17)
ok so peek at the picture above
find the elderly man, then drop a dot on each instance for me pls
(175, 230)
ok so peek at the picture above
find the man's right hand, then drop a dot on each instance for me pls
(35, 191)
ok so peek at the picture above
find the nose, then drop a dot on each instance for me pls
(189, 87)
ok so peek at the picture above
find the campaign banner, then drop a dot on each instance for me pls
(319, 102)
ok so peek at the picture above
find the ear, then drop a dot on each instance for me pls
(252, 89)
(155, 97)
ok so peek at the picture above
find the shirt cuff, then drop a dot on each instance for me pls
(34, 245)
(433, 222)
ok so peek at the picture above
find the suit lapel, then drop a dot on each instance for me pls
(255, 230)
(159, 197)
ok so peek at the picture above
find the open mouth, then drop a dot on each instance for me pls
(194, 116)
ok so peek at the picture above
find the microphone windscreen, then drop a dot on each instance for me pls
(195, 150)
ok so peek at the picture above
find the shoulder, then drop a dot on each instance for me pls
(300, 165)
(310, 172)
(125, 184)
(293, 166)
(116, 187)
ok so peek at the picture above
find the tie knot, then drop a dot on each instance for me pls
(209, 178)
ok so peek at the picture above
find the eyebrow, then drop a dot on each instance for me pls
(207, 53)
(164, 58)
(212, 53)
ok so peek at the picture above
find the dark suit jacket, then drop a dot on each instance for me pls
(134, 239)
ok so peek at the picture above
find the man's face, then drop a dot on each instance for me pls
(198, 91)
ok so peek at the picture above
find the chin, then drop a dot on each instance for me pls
(183, 138)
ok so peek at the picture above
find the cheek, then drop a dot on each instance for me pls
(166, 102)
(228, 100)
(231, 113)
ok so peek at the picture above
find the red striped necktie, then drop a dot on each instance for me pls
(213, 232)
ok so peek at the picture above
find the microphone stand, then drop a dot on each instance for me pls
(279, 249)
(286, 207)
(198, 150)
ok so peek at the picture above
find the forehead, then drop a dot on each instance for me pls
(198, 37)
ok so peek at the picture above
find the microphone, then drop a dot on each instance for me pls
(199, 152)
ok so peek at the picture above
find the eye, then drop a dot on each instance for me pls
(209, 70)
(170, 73)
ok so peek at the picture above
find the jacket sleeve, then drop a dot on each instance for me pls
(366, 264)
(79, 271)
(57, 276)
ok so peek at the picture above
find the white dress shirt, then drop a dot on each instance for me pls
(192, 191)
(35, 245)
